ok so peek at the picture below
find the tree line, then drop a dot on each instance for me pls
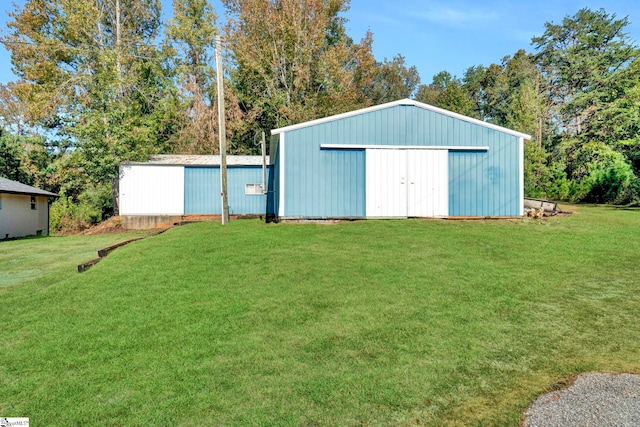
(99, 82)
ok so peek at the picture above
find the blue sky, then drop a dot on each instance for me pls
(435, 35)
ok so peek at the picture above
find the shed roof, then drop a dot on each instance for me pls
(15, 187)
(409, 102)
(199, 160)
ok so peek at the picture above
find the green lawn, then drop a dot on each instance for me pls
(48, 260)
(357, 323)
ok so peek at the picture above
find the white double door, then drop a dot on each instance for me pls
(407, 183)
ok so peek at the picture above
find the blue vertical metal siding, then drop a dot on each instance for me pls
(202, 190)
(486, 183)
(322, 183)
(239, 202)
(331, 183)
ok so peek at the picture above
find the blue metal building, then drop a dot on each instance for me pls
(400, 159)
(176, 185)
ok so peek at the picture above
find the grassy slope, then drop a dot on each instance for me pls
(371, 322)
(51, 259)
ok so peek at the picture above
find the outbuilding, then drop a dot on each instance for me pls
(397, 160)
(24, 210)
(168, 187)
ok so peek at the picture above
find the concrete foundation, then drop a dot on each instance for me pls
(144, 222)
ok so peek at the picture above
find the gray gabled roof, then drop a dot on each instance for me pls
(14, 187)
(409, 102)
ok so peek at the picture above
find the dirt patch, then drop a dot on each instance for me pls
(112, 225)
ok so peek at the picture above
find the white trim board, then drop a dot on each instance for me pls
(407, 102)
(521, 173)
(403, 147)
(282, 159)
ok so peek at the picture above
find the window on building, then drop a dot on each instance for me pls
(253, 189)
(34, 205)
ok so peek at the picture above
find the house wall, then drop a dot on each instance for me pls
(331, 182)
(17, 219)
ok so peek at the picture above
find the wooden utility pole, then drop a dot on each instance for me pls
(222, 133)
(263, 148)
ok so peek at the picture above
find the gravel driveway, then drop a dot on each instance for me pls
(594, 400)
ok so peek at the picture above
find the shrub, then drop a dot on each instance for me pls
(71, 215)
(607, 176)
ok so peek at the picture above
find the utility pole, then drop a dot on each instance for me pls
(222, 133)
(263, 149)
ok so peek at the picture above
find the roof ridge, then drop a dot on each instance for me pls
(405, 101)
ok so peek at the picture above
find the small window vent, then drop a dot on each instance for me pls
(253, 189)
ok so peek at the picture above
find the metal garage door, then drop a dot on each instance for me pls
(402, 183)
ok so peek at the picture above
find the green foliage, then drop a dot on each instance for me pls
(12, 160)
(393, 80)
(89, 72)
(584, 59)
(542, 179)
(27, 160)
(72, 214)
(293, 61)
(600, 174)
(67, 215)
(82, 202)
(448, 92)
(191, 38)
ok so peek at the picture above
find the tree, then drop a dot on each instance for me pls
(26, 160)
(583, 59)
(191, 34)
(591, 73)
(293, 60)
(447, 91)
(191, 39)
(91, 76)
(12, 160)
(393, 80)
(472, 82)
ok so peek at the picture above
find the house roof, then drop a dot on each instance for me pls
(409, 102)
(15, 187)
(199, 160)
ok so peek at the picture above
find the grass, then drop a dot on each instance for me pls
(357, 323)
(48, 260)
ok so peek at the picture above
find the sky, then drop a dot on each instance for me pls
(434, 35)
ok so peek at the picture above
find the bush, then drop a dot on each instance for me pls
(607, 175)
(71, 215)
